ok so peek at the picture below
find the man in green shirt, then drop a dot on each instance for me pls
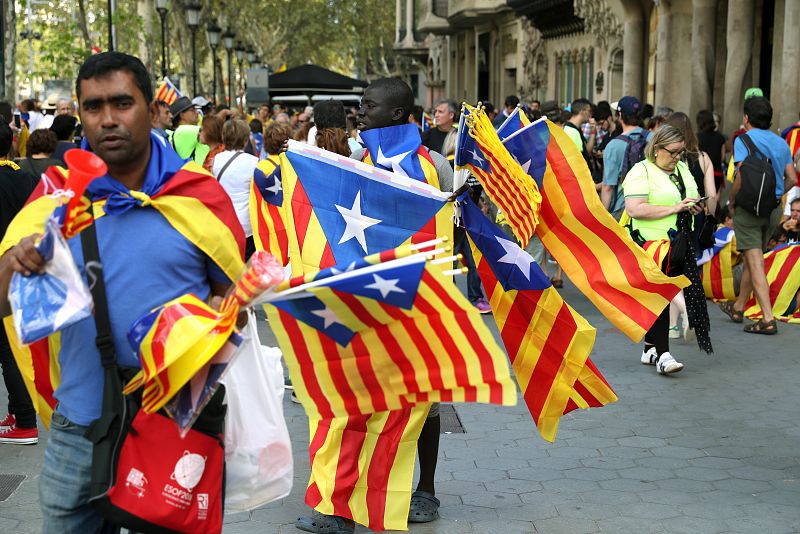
(185, 139)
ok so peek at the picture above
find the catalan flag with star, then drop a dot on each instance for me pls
(167, 91)
(183, 193)
(593, 249)
(547, 341)
(265, 208)
(716, 266)
(342, 447)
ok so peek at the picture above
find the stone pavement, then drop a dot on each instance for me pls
(712, 449)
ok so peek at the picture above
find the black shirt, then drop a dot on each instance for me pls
(15, 188)
(433, 139)
(711, 143)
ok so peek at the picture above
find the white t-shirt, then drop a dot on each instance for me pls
(236, 182)
(793, 193)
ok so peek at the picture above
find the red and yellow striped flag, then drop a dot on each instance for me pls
(716, 267)
(782, 266)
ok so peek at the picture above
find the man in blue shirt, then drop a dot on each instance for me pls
(614, 155)
(752, 232)
(146, 262)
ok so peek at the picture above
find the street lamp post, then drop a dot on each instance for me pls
(214, 34)
(193, 21)
(161, 7)
(240, 50)
(227, 42)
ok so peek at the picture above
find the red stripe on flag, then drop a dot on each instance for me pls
(305, 363)
(368, 376)
(302, 212)
(347, 468)
(330, 349)
(715, 273)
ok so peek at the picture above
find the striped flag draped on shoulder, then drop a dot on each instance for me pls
(782, 266)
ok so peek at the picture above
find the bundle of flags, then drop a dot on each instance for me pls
(167, 91)
(178, 340)
(716, 265)
(590, 246)
(782, 266)
(427, 121)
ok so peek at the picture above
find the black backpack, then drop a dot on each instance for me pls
(757, 176)
(634, 152)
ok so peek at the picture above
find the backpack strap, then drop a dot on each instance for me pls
(751, 147)
(91, 262)
(227, 164)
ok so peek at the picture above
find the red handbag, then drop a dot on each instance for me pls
(174, 483)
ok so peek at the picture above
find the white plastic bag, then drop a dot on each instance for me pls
(258, 453)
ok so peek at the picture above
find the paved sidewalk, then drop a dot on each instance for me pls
(713, 449)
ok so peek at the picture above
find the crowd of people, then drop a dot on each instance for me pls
(656, 171)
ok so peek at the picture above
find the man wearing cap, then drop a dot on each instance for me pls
(201, 103)
(185, 139)
(628, 108)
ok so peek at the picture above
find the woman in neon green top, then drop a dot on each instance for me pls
(660, 197)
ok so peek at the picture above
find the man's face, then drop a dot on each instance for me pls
(443, 117)
(586, 115)
(375, 111)
(116, 118)
(535, 106)
(163, 118)
(190, 116)
(64, 108)
(263, 113)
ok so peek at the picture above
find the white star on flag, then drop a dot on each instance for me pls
(515, 256)
(392, 162)
(476, 156)
(276, 186)
(356, 223)
(385, 286)
(328, 317)
(347, 269)
(525, 166)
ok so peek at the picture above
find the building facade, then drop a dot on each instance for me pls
(685, 54)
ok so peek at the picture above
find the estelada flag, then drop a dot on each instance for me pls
(595, 252)
(383, 337)
(782, 265)
(348, 442)
(167, 91)
(266, 215)
(184, 197)
(547, 341)
(716, 266)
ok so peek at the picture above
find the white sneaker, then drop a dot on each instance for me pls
(674, 332)
(666, 364)
(649, 357)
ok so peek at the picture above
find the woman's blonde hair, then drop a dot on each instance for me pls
(235, 134)
(665, 135)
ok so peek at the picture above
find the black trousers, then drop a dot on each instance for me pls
(658, 335)
(19, 402)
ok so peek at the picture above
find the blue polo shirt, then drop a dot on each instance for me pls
(146, 262)
(772, 146)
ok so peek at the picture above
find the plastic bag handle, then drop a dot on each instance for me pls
(91, 259)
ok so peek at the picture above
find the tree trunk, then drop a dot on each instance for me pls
(83, 26)
(8, 81)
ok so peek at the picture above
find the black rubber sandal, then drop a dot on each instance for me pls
(424, 507)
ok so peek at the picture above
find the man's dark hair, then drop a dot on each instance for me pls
(579, 105)
(64, 126)
(6, 138)
(488, 107)
(5, 112)
(512, 101)
(417, 112)
(330, 114)
(107, 62)
(42, 141)
(397, 94)
(705, 121)
(535, 102)
(256, 126)
(758, 111)
(162, 104)
(631, 119)
(647, 112)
